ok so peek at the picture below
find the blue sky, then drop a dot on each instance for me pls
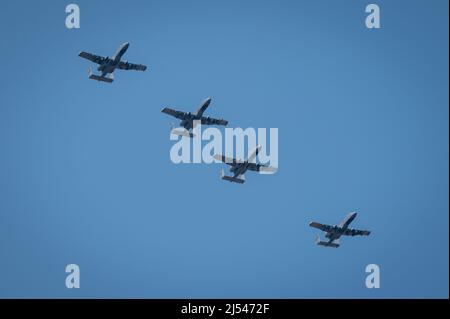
(86, 178)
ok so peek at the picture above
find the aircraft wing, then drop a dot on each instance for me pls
(177, 114)
(92, 57)
(130, 66)
(260, 167)
(213, 121)
(322, 227)
(225, 159)
(356, 232)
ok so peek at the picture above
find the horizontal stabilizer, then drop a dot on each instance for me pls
(326, 243)
(101, 78)
(182, 133)
(233, 179)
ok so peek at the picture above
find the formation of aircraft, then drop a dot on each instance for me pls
(239, 167)
(107, 65)
(333, 233)
(189, 120)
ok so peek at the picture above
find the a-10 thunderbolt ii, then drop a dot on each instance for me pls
(107, 65)
(333, 233)
(189, 120)
(239, 167)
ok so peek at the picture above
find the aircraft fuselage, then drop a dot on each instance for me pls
(239, 169)
(111, 63)
(337, 231)
(188, 122)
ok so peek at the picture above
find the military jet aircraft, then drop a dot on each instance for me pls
(239, 167)
(188, 118)
(333, 233)
(108, 65)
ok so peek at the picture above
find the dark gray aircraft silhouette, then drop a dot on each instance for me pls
(239, 167)
(333, 233)
(189, 120)
(108, 65)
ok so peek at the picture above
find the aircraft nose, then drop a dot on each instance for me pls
(126, 45)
